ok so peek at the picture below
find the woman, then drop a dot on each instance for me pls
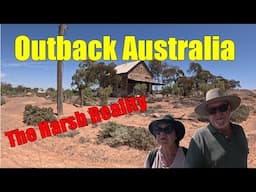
(168, 133)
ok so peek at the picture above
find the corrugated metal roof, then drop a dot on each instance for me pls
(124, 68)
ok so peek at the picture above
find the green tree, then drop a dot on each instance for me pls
(106, 75)
(20, 90)
(156, 68)
(68, 93)
(195, 68)
(233, 84)
(6, 88)
(187, 84)
(172, 74)
(84, 77)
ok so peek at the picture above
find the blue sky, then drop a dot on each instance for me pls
(42, 74)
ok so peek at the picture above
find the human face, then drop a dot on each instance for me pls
(165, 134)
(219, 114)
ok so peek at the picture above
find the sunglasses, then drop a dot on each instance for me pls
(220, 108)
(166, 130)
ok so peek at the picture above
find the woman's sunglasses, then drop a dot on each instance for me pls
(220, 108)
(166, 130)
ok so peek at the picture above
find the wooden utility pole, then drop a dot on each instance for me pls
(59, 77)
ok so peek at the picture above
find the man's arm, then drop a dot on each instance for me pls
(194, 157)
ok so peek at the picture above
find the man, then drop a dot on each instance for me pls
(221, 144)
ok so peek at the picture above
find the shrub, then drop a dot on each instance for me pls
(140, 89)
(241, 114)
(34, 114)
(104, 93)
(115, 135)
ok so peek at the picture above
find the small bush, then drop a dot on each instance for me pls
(140, 89)
(115, 135)
(34, 114)
(104, 94)
(241, 114)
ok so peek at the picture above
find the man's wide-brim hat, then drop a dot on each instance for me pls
(167, 119)
(217, 95)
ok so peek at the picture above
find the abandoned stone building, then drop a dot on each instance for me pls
(132, 73)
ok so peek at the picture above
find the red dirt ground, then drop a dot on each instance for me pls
(68, 152)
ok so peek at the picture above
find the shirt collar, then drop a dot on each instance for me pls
(214, 131)
(211, 128)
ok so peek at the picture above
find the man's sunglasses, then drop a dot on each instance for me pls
(221, 108)
(166, 130)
